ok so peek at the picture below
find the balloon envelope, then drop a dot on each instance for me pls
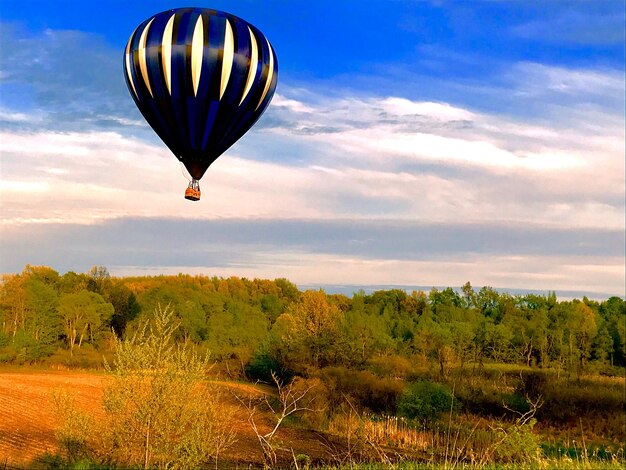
(201, 78)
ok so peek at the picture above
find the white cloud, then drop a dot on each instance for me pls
(567, 171)
(365, 157)
(425, 147)
(442, 111)
(293, 105)
(533, 80)
(10, 116)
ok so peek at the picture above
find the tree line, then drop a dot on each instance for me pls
(259, 326)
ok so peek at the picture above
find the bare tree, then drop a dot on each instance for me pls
(290, 400)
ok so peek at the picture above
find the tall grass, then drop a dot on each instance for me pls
(397, 432)
(547, 464)
(465, 443)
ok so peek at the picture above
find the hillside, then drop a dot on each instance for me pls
(28, 420)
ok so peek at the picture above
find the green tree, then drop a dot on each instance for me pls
(125, 306)
(42, 273)
(72, 283)
(43, 300)
(28, 312)
(307, 334)
(272, 306)
(619, 342)
(488, 302)
(98, 279)
(584, 330)
(288, 290)
(603, 346)
(426, 401)
(189, 303)
(527, 327)
(363, 333)
(500, 338)
(469, 296)
(463, 337)
(447, 297)
(286, 343)
(613, 311)
(435, 340)
(13, 303)
(236, 331)
(43, 323)
(82, 315)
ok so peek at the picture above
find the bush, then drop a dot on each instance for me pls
(5, 339)
(159, 411)
(533, 384)
(85, 357)
(363, 389)
(51, 461)
(595, 401)
(518, 444)
(261, 367)
(76, 427)
(597, 404)
(391, 366)
(315, 401)
(483, 399)
(426, 401)
(23, 348)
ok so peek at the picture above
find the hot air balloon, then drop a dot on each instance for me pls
(201, 78)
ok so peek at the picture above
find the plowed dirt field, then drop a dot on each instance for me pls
(28, 421)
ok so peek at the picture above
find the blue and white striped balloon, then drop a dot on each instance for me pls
(201, 78)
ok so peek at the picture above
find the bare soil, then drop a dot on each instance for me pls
(28, 421)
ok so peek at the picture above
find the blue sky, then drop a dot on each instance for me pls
(409, 143)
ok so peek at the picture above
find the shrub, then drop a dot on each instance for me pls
(518, 444)
(426, 401)
(303, 461)
(85, 357)
(483, 399)
(314, 401)
(76, 427)
(597, 405)
(5, 339)
(533, 384)
(391, 366)
(158, 409)
(23, 348)
(262, 365)
(363, 389)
